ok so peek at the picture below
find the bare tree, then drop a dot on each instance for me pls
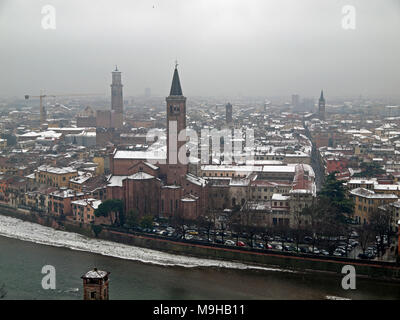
(365, 236)
(265, 234)
(380, 221)
(180, 222)
(205, 223)
(282, 230)
(235, 224)
(250, 224)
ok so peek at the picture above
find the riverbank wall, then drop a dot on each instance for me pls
(304, 262)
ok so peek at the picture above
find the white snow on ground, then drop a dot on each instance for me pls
(27, 231)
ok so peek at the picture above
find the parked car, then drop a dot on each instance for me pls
(290, 248)
(229, 243)
(315, 251)
(239, 243)
(354, 234)
(304, 249)
(308, 239)
(278, 247)
(353, 243)
(374, 249)
(338, 253)
(324, 252)
(218, 241)
(188, 237)
(341, 249)
(371, 252)
(260, 245)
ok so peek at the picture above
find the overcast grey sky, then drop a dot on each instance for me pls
(224, 47)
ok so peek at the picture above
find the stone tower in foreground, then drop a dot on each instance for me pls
(95, 285)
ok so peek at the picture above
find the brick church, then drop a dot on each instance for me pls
(156, 183)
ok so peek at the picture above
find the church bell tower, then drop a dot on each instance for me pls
(176, 123)
(321, 106)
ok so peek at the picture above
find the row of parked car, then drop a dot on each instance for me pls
(344, 248)
(274, 243)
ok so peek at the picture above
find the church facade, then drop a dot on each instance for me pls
(157, 183)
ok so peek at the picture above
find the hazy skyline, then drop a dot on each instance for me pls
(223, 47)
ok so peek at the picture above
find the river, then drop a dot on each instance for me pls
(138, 273)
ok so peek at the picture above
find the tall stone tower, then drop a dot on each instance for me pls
(95, 285)
(117, 102)
(176, 122)
(321, 106)
(228, 111)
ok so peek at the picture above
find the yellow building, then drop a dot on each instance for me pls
(100, 164)
(387, 189)
(76, 183)
(83, 210)
(395, 210)
(361, 183)
(56, 177)
(37, 200)
(366, 201)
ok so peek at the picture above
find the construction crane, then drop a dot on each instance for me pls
(42, 96)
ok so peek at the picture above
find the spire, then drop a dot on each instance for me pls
(176, 89)
(322, 95)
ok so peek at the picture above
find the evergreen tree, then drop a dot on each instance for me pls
(112, 206)
(334, 193)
